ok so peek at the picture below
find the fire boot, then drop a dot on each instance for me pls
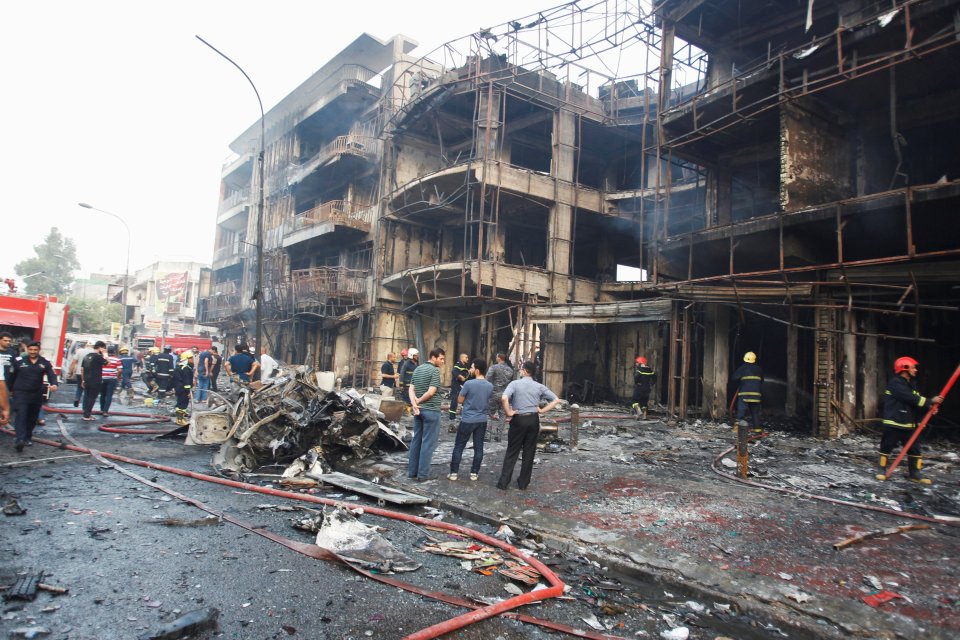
(635, 408)
(882, 468)
(643, 413)
(915, 463)
(182, 420)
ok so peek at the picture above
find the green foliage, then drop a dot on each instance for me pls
(92, 316)
(54, 264)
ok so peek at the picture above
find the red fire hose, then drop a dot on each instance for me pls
(923, 423)
(113, 427)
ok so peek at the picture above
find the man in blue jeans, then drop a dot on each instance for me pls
(204, 370)
(473, 398)
(425, 405)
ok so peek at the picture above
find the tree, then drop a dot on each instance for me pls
(54, 264)
(92, 316)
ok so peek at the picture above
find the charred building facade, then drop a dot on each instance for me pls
(686, 181)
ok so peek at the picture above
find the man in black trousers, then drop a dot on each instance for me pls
(521, 403)
(26, 383)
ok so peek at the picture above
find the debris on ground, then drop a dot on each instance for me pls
(346, 536)
(291, 420)
(843, 544)
(25, 588)
(30, 632)
(189, 625)
(11, 506)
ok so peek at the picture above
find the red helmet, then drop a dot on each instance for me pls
(403, 354)
(903, 364)
(641, 360)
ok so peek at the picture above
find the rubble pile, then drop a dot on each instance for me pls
(290, 418)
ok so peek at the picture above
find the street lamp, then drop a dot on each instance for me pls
(258, 289)
(126, 272)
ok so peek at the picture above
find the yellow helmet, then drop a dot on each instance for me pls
(124, 351)
(186, 355)
(750, 356)
(154, 349)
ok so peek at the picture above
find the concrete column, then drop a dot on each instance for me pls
(849, 369)
(869, 365)
(716, 361)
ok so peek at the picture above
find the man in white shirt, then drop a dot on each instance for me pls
(268, 365)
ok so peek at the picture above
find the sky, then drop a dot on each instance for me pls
(118, 105)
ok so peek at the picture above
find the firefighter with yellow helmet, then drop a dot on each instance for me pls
(182, 385)
(749, 379)
(902, 406)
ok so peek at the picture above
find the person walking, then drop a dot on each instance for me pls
(643, 379)
(182, 386)
(7, 353)
(749, 378)
(902, 408)
(203, 373)
(27, 375)
(425, 405)
(499, 375)
(459, 375)
(388, 376)
(111, 371)
(127, 363)
(268, 366)
(521, 402)
(91, 377)
(216, 362)
(165, 364)
(474, 398)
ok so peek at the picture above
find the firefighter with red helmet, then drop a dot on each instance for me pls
(643, 378)
(902, 406)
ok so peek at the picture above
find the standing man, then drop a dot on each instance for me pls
(127, 362)
(499, 375)
(150, 371)
(166, 362)
(902, 405)
(268, 366)
(425, 405)
(643, 379)
(401, 365)
(4, 404)
(388, 376)
(749, 378)
(521, 402)
(241, 364)
(182, 386)
(203, 375)
(111, 371)
(26, 383)
(216, 361)
(474, 398)
(459, 375)
(406, 374)
(91, 377)
(7, 353)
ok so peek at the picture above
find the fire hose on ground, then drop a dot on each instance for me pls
(477, 614)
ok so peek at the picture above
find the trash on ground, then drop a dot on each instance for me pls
(876, 599)
(188, 625)
(843, 544)
(343, 534)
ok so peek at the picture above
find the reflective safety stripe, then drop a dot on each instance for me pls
(751, 378)
(644, 373)
(751, 401)
(899, 425)
(749, 393)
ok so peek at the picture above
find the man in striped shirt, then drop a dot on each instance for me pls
(425, 405)
(111, 376)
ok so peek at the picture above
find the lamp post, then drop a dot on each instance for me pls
(126, 272)
(258, 288)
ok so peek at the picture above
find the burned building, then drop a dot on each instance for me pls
(686, 181)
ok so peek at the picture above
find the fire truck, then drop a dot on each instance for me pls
(178, 342)
(39, 317)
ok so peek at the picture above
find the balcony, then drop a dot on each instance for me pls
(224, 301)
(352, 145)
(325, 218)
(229, 255)
(335, 290)
(230, 209)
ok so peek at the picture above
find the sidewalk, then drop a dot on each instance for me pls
(644, 494)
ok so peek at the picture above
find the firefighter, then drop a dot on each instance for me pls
(182, 385)
(127, 363)
(166, 363)
(150, 371)
(749, 378)
(643, 378)
(901, 408)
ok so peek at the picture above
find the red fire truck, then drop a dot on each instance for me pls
(38, 317)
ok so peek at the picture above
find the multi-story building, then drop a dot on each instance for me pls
(687, 182)
(168, 295)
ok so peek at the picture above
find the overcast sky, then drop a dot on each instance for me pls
(118, 105)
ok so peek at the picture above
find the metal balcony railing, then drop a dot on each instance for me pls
(234, 199)
(225, 300)
(235, 249)
(339, 212)
(321, 285)
(361, 146)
